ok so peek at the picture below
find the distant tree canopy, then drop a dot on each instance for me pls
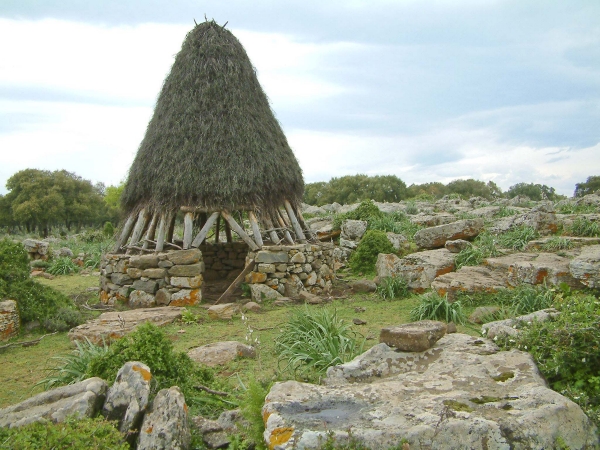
(535, 192)
(354, 188)
(591, 185)
(40, 199)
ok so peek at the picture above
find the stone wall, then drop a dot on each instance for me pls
(223, 260)
(290, 269)
(171, 278)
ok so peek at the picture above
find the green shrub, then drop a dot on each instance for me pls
(39, 264)
(14, 262)
(149, 345)
(251, 404)
(314, 340)
(411, 208)
(584, 227)
(367, 210)
(435, 307)
(108, 230)
(390, 288)
(74, 433)
(567, 350)
(372, 244)
(62, 266)
(92, 236)
(36, 301)
(63, 320)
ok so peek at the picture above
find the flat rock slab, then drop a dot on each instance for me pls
(116, 324)
(462, 393)
(586, 266)
(220, 353)
(84, 398)
(418, 269)
(469, 279)
(413, 337)
(534, 268)
(510, 327)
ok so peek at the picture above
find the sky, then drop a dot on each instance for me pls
(496, 90)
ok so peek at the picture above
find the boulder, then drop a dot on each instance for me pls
(534, 268)
(353, 230)
(251, 306)
(187, 282)
(469, 280)
(349, 244)
(149, 286)
(165, 425)
(462, 393)
(185, 257)
(267, 256)
(418, 269)
(435, 237)
(586, 266)
(432, 220)
(9, 319)
(36, 247)
(262, 292)
(212, 432)
(127, 398)
(220, 353)
(413, 337)
(363, 286)
(116, 324)
(457, 245)
(510, 327)
(84, 398)
(223, 312)
(398, 241)
(310, 298)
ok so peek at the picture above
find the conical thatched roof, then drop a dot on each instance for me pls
(213, 141)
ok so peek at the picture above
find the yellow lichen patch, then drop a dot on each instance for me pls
(280, 436)
(146, 375)
(265, 416)
(149, 430)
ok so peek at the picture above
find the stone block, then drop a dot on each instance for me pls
(190, 270)
(144, 261)
(120, 279)
(9, 319)
(187, 282)
(266, 268)
(186, 297)
(154, 273)
(298, 258)
(141, 299)
(413, 337)
(134, 273)
(266, 256)
(225, 311)
(162, 297)
(261, 291)
(185, 257)
(148, 286)
(255, 277)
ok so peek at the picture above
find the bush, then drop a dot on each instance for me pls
(14, 262)
(372, 244)
(390, 288)
(435, 307)
(108, 230)
(36, 301)
(367, 210)
(74, 433)
(316, 340)
(567, 350)
(62, 266)
(149, 345)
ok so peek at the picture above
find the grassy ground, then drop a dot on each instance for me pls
(22, 367)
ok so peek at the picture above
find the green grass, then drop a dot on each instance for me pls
(584, 227)
(435, 307)
(556, 243)
(393, 288)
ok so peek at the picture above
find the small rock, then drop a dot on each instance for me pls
(358, 322)
(413, 337)
(451, 328)
(457, 245)
(353, 230)
(220, 353)
(223, 312)
(251, 306)
(262, 292)
(363, 286)
(311, 299)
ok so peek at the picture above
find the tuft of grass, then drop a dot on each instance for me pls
(316, 340)
(517, 238)
(483, 247)
(556, 243)
(505, 211)
(62, 266)
(584, 227)
(571, 208)
(390, 288)
(435, 307)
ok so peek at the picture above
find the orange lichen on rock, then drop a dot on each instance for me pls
(146, 375)
(280, 436)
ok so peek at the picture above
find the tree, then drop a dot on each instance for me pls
(354, 188)
(591, 185)
(435, 189)
(470, 188)
(535, 192)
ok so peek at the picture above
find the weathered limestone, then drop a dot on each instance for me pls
(413, 337)
(127, 398)
(353, 230)
(462, 393)
(262, 292)
(481, 313)
(418, 269)
(165, 424)
(114, 325)
(36, 249)
(363, 286)
(9, 319)
(224, 311)
(586, 266)
(469, 279)
(457, 245)
(510, 327)
(398, 241)
(185, 257)
(432, 220)
(435, 237)
(220, 353)
(84, 398)
(141, 299)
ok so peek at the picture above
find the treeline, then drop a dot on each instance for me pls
(390, 188)
(40, 200)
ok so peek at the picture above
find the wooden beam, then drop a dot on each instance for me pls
(249, 267)
(205, 229)
(272, 233)
(171, 226)
(228, 233)
(239, 230)
(188, 225)
(286, 234)
(138, 229)
(255, 229)
(151, 230)
(217, 229)
(124, 233)
(162, 231)
(295, 224)
(311, 235)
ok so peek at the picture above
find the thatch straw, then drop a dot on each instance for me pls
(213, 141)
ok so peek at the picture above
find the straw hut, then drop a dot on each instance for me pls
(214, 156)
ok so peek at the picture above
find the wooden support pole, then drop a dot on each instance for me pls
(239, 230)
(272, 233)
(249, 267)
(295, 224)
(217, 229)
(255, 229)
(138, 229)
(124, 233)
(162, 231)
(205, 229)
(285, 226)
(171, 226)
(311, 235)
(150, 231)
(188, 225)
(228, 233)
